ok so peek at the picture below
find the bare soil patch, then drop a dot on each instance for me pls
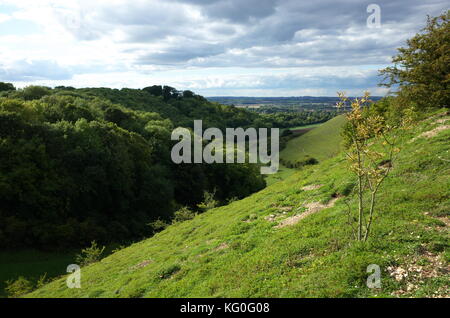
(414, 274)
(431, 133)
(312, 187)
(142, 264)
(222, 246)
(312, 207)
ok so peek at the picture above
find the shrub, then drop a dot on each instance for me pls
(18, 287)
(158, 225)
(89, 255)
(42, 281)
(183, 214)
(208, 201)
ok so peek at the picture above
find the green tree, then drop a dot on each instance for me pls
(155, 90)
(183, 214)
(370, 165)
(168, 92)
(421, 71)
(6, 87)
(90, 254)
(188, 94)
(35, 92)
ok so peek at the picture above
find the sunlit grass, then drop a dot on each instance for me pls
(234, 251)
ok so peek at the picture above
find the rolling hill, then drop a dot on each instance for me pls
(292, 239)
(322, 142)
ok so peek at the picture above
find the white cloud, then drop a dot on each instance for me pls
(260, 46)
(4, 17)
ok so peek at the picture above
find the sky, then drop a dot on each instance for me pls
(212, 47)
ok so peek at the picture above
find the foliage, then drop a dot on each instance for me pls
(286, 119)
(158, 225)
(31, 92)
(422, 69)
(208, 201)
(6, 87)
(42, 280)
(370, 166)
(18, 287)
(183, 214)
(90, 255)
(236, 251)
(77, 166)
(301, 163)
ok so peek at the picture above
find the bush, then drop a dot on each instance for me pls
(208, 201)
(89, 255)
(158, 225)
(183, 214)
(18, 287)
(298, 164)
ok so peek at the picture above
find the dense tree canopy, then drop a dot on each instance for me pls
(421, 70)
(84, 164)
(6, 87)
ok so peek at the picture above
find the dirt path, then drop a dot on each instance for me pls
(312, 207)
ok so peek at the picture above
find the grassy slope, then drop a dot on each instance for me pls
(283, 171)
(300, 127)
(305, 126)
(233, 251)
(321, 143)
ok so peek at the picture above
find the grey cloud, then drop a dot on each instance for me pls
(181, 54)
(291, 81)
(240, 11)
(257, 33)
(23, 70)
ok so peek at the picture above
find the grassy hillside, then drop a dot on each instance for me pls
(321, 142)
(291, 239)
(283, 171)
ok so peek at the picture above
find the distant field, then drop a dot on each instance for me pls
(321, 143)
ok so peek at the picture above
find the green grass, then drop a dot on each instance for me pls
(322, 142)
(305, 126)
(234, 251)
(282, 173)
(301, 127)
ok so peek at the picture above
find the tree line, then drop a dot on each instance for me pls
(94, 164)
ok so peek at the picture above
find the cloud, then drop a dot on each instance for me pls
(23, 70)
(181, 54)
(4, 17)
(206, 41)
